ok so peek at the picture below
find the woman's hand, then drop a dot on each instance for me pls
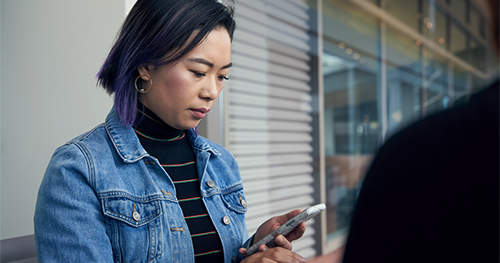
(280, 240)
(275, 222)
(273, 255)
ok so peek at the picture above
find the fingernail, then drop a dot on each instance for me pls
(262, 248)
(281, 239)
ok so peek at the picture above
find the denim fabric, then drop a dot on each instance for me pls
(105, 199)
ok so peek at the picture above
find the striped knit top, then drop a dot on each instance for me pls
(174, 152)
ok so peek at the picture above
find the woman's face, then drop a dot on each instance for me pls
(184, 91)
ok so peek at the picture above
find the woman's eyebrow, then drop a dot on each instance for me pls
(202, 61)
(208, 63)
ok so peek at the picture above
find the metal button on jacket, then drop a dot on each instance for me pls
(226, 220)
(211, 183)
(136, 216)
(243, 203)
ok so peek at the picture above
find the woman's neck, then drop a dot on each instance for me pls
(149, 124)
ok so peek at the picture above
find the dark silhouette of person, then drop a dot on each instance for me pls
(432, 191)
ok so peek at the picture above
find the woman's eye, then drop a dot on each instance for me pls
(199, 74)
(221, 78)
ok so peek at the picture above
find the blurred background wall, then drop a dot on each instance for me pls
(50, 53)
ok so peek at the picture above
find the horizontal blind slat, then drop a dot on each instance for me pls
(281, 14)
(284, 38)
(253, 27)
(268, 90)
(251, 51)
(276, 207)
(288, 29)
(254, 149)
(269, 137)
(286, 181)
(278, 194)
(289, 83)
(267, 172)
(240, 47)
(282, 159)
(266, 125)
(250, 38)
(287, 50)
(268, 102)
(256, 11)
(272, 114)
(296, 8)
(261, 77)
(269, 67)
(289, 61)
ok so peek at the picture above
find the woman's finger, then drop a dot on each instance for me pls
(283, 242)
(297, 232)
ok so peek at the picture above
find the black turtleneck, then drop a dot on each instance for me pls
(174, 152)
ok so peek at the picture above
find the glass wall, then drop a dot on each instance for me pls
(404, 78)
(380, 76)
(352, 126)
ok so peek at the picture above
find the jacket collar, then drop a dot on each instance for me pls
(128, 146)
(199, 143)
(124, 139)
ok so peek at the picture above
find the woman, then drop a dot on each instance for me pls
(143, 186)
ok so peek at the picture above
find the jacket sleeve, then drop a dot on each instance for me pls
(69, 223)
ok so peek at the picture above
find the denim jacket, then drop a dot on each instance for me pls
(105, 199)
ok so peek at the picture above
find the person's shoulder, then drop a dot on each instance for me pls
(74, 154)
(426, 130)
(460, 124)
(488, 97)
(90, 135)
(85, 140)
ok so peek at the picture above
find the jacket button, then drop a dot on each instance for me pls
(243, 203)
(226, 220)
(136, 216)
(211, 183)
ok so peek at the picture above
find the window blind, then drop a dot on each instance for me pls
(268, 111)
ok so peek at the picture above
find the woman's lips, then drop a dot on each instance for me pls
(199, 113)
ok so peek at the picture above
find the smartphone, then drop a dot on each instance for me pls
(287, 228)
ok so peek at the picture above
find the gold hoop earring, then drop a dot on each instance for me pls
(142, 90)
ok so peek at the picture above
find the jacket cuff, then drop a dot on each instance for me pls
(249, 242)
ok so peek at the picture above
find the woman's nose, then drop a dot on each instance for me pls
(210, 90)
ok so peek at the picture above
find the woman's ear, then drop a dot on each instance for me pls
(145, 71)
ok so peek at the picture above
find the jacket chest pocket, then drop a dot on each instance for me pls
(236, 204)
(134, 228)
(235, 200)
